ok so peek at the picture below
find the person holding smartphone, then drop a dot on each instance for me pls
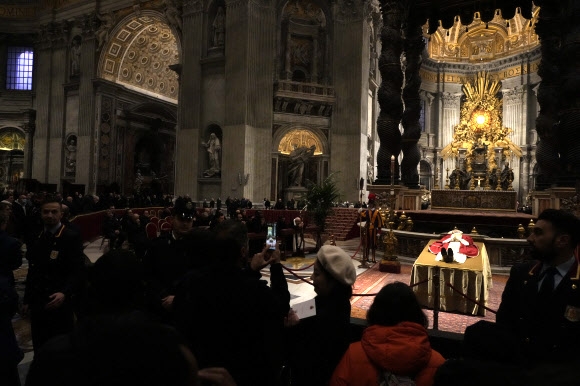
(242, 325)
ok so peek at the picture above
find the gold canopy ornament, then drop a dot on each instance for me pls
(481, 122)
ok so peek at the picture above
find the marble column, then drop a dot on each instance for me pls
(514, 119)
(451, 114)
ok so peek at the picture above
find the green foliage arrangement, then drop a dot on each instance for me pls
(321, 199)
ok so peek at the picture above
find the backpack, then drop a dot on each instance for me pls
(386, 378)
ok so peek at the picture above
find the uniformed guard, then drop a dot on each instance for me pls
(538, 320)
(374, 223)
(169, 258)
(56, 276)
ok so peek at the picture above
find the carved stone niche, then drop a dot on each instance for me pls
(304, 42)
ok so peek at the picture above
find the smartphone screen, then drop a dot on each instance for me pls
(271, 236)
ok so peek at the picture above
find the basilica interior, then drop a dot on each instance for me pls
(258, 98)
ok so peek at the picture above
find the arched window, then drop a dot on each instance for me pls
(19, 68)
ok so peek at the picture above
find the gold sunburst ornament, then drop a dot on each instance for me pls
(481, 122)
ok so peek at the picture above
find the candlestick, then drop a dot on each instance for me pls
(392, 164)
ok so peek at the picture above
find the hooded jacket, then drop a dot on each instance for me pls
(403, 349)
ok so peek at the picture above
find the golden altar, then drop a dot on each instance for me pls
(502, 200)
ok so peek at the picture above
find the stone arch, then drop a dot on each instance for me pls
(12, 143)
(149, 147)
(285, 140)
(7, 130)
(155, 110)
(425, 174)
(303, 136)
(139, 53)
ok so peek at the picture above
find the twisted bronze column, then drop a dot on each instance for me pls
(389, 94)
(568, 141)
(413, 46)
(549, 32)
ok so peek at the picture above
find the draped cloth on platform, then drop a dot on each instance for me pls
(473, 278)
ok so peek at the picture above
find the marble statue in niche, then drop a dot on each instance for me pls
(298, 159)
(138, 181)
(75, 57)
(172, 15)
(213, 147)
(219, 28)
(107, 21)
(70, 155)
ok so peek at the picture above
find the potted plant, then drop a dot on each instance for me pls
(320, 199)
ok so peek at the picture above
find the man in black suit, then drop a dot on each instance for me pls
(539, 316)
(541, 300)
(56, 275)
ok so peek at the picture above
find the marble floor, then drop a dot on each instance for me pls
(300, 291)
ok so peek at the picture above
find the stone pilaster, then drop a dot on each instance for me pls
(261, 48)
(247, 131)
(29, 129)
(188, 112)
(86, 159)
(43, 58)
(57, 102)
(349, 117)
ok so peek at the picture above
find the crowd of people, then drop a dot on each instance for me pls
(191, 308)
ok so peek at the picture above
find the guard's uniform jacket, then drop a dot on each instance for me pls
(547, 329)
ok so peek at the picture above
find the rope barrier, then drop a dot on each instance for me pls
(298, 277)
(357, 249)
(470, 299)
(419, 282)
(298, 269)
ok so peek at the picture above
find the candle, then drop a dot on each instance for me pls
(392, 164)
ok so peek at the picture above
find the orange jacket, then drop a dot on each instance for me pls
(403, 349)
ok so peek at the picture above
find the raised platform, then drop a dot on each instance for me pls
(495, 200)
(487, 222)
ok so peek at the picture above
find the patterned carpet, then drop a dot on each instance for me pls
(372, 280)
